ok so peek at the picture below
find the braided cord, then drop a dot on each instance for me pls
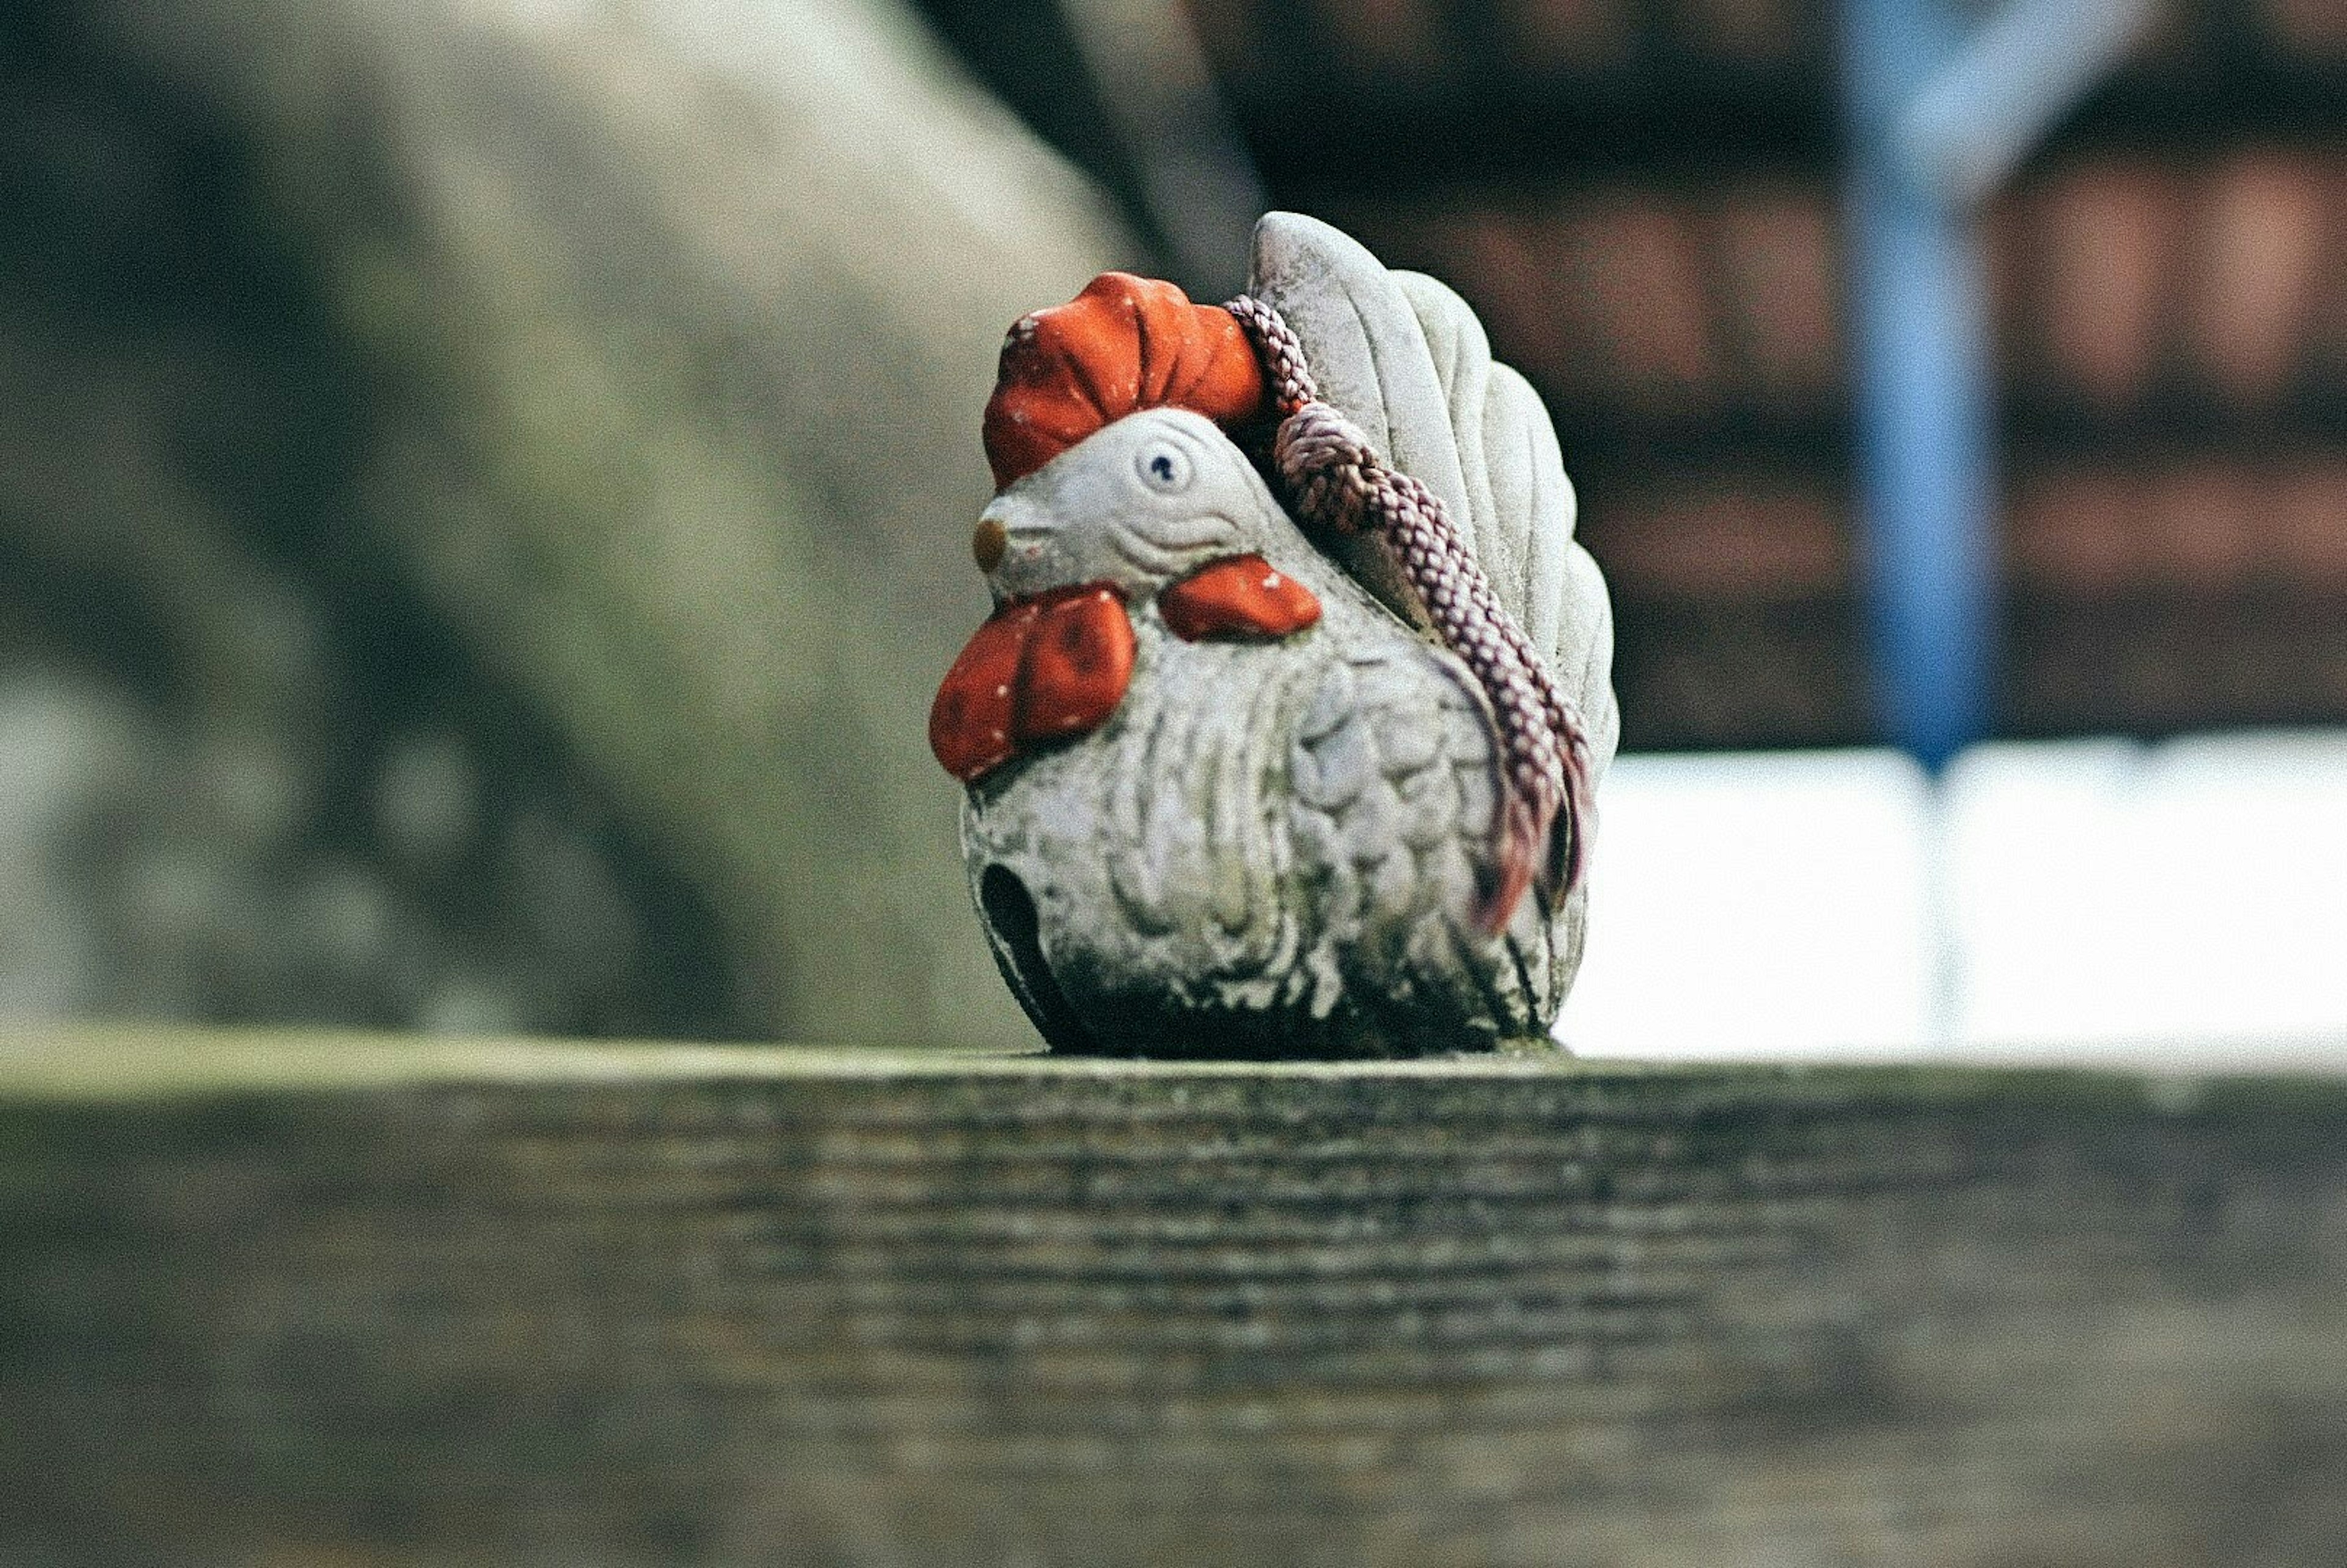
(1336, 481)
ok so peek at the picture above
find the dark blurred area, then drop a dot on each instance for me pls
(250, 772)
(482, 488)
(483, 502)
(1640, 198)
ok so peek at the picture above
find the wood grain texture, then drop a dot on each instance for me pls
(363, 1301)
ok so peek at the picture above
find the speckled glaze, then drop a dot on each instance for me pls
(1272, 846)
(1276, 844)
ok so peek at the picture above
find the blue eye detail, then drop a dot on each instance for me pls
(1164, 467)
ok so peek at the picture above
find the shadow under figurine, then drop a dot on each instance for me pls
(1244, 781)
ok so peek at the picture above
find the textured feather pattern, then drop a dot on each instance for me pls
(1523, 507)
(1405, 358)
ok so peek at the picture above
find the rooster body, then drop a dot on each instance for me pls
(1270, 848)
(1283, 844)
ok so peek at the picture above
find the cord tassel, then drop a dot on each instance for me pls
(1337, 482)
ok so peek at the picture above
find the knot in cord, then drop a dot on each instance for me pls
(1336, 481)
(1331, 473)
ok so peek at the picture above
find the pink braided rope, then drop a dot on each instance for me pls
(1336, 481)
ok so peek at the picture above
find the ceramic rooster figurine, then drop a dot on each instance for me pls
(1284, 736)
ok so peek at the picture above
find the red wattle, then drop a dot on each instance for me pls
(1238, 596)
(1041, 670)
(970, 720)
(1078, 661)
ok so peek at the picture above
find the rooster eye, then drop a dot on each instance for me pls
(1164, 467)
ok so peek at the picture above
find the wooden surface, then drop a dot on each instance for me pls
(303, 1300)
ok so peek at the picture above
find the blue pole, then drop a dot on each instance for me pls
(1925, 400)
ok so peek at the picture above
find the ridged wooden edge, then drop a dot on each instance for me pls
(287, 1297)
(109, 1061)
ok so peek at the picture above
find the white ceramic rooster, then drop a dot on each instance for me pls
(1236, 789)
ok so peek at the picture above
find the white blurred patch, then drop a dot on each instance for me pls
(2112, 894)
(2186, 901)
(1756, 905)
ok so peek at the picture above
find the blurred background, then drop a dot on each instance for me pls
(484, 486)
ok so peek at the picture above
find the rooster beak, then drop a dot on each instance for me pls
(1008, 531)
(989, 543)
(1013, 514)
